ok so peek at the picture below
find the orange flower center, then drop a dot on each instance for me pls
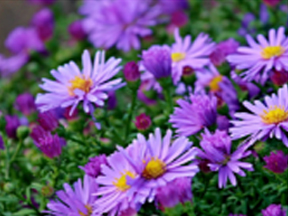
(274, 115)
(80, 83)
(121, 183)
(272, 51)
(89, 210)
(178, 56)
(154, 169)
(214, 83)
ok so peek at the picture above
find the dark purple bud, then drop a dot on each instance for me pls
(276, 162)
(93, 167)
(43, 21)
(279, 78)
(48, 120)
(274, 210)
(2, 143)
(143, 122)
(25, 103)
(76, 30)
(42, 2)
(12, 123)
(131, 72)
(112, 100)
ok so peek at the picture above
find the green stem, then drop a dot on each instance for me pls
(130, 114)
(10, 161)
(168, 98)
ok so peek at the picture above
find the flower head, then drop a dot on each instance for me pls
(157, 60)
(119, 22)
(76, 30)
(93, 167)
(279, 78)
(25, 103)
(43, 21)
(274, 210)
(184, 53)
(131, 72)
(158, 161)
(42, 2)
(143, 122)
(263, 56)
(75, 202)
(72, 86)
(217, 149)
(192, 116)
(9, 65)
(48, 120)
(1, 143)
(276, 162)
(267, 120)
(12, 123)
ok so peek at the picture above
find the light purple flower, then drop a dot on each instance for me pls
(177, 191)
(266, 55)
(74, 202)
(25, 103)
(10, 65)
(93, 167)
(276, 162)
(193, 116)
(115, 191)
(217, 149)
(119, 22)
(267, 120)
(43, 22)
(73, 86)
(184, 53)
(157, 162)
(274, 210)
(157, 60)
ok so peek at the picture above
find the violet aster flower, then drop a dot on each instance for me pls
(158, 161)
(157, 60)
(142, 122)
(218, 85)
(25, 103)
(222, 50)
(217, 149)
(274, 210)
(192, 116)
(267, 120)
(264, 56)
(276, 162)
(93, 167)
(9, 65)
(43, 21)
(12, 123)
(48, 120)
(72, 86)
(115, 191)
(119, 22)
(50, 145)
(177, 191)
(74, 202)
(184, 53)
(2, 143)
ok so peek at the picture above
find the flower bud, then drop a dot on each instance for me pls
(76, 30)
(143, 122)
(23, 132)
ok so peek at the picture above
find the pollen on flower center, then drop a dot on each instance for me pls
(89, 210)
(121, 183)
(274, 115)
(272, 51)
(214, 83)
(80, 83)
(154, 168)
(177, 56)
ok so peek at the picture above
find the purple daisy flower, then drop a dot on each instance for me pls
(184, 53)
(274, 210)
(115, 191)
(192, 116)
(72, 86)
(119, 22)
(264, 56)
(276, 162)
(93, 167)
(268, 120)
(217, 149)
(158, 161)
(75, 202)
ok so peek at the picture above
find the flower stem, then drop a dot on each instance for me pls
(10, 161)
(130, 114)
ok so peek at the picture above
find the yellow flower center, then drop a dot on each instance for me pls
(89, 210)
(154, 168)
(274, 115)
(177, 56)
(272, 51)
(80, 83)
(121, 183)
(214, 83)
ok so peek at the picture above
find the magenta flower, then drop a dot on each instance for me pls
(48, 120)
(2, 146)
(93, 167)
(42, 2)
(142, 122)
(12, 123)
(25, 103)
(267, 120)
(264, 56)
(177, 191)
(217, 149)
(131, 72)
(12, 64)
(279, 78)
(193, 116)
(119, 22)
(157, 162)
(115, 190)
(274, 210)
(74, 202)
(184, 53)
(43, 22)
(237, 215)
(73, 86)
(276, 162)
(76, 30)
(157, 60)
(271, 3)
